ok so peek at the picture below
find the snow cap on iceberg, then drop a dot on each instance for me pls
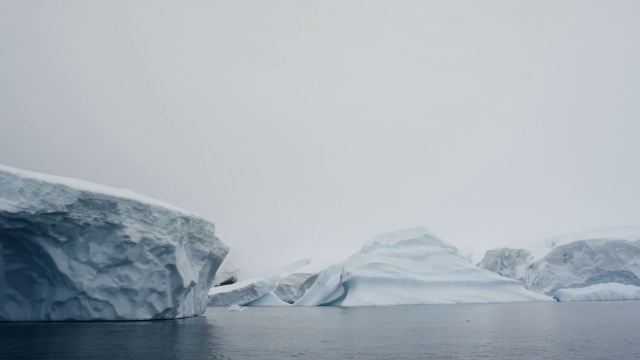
(31, 191)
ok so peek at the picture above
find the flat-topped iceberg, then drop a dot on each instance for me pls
(411, 267)
(73, 250)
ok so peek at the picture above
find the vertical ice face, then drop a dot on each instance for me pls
(72, 250)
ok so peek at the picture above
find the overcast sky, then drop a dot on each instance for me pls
(303, 128)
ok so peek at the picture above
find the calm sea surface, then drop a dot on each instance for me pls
(582, 330)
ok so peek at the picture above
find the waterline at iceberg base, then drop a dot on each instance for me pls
(73, 250)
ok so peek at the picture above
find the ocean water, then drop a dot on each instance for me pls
(581, 330)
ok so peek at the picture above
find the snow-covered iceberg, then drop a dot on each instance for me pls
(600, 292)
(411, 267)
(571, 263)
(73, 250)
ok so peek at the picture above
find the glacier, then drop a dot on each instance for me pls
(411, 267)
(73, 250)
(578, 261)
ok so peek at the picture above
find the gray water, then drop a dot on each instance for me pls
(582, 330)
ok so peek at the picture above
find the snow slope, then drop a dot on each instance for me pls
(73, 250)
(410, 267)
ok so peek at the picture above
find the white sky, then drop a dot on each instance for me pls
(303, 128)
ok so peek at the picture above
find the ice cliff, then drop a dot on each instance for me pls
(73, 250)
(410, 267)
(577, 264)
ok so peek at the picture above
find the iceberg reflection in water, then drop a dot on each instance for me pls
(536, 330)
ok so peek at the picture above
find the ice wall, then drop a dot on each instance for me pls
(72, 250)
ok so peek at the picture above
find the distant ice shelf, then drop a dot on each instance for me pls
(73, 250)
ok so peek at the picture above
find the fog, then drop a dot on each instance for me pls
(303, 128)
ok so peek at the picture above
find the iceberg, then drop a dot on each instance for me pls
(599, 292)
(288, 289)
(236, 308)
(411, 267)
(584, 263)
(250, 292)
(253, 292)
(511, 263)
(228, 271)
(577, 261)
(269, 299)
(73, 250)
(241, 293)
